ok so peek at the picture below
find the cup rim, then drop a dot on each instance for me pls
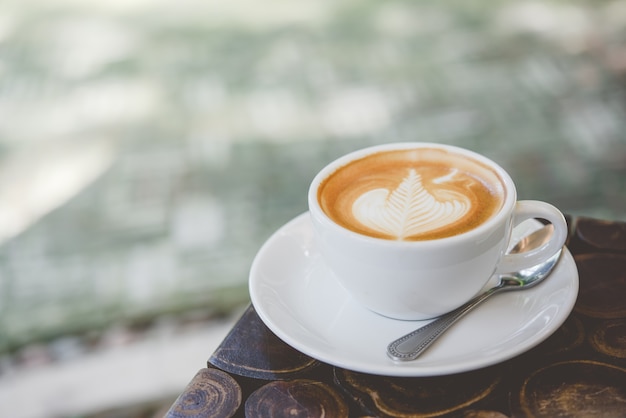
(510, 195)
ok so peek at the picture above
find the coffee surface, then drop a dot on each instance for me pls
(412, 195)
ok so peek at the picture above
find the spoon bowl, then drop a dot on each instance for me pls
(410, 346)
(535, 239)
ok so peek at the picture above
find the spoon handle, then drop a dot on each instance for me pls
(410, 346)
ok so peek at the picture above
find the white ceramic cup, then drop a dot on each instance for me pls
(416, 280)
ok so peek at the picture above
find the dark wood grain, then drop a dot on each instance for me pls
(417, 397)
(296, 398)
(573, 389)
(602, 291)
(211, 394)
(600, 235)
(609, 338)
(252, 350)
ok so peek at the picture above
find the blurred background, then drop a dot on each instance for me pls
(149, 148)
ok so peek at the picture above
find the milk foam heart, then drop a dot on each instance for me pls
(412, 195)
(411, 209)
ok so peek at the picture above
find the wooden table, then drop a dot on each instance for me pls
(579, 371)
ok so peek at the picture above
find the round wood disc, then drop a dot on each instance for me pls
(602, 285)
(610, 339)
(296, 398)
(417, 397)
(569, 389)
(211, 394)
(252, 350)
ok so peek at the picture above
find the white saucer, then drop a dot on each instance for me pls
(298, 298)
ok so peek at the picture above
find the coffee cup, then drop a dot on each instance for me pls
(414, 230)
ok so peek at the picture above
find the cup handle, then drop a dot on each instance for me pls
(530, 209)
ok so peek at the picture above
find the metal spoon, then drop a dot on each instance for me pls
(410, 346)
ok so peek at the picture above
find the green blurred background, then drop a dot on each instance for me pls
(148, 148)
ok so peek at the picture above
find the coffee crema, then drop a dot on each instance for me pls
(412, 194)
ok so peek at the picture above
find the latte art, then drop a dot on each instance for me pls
(413, 194)
(410, 209)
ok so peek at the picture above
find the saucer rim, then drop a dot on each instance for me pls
(397, 368)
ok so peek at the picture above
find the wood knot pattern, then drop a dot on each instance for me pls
(300, 398)
(211, 394)
(610, 338)
(573, 388)
(426, 396)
